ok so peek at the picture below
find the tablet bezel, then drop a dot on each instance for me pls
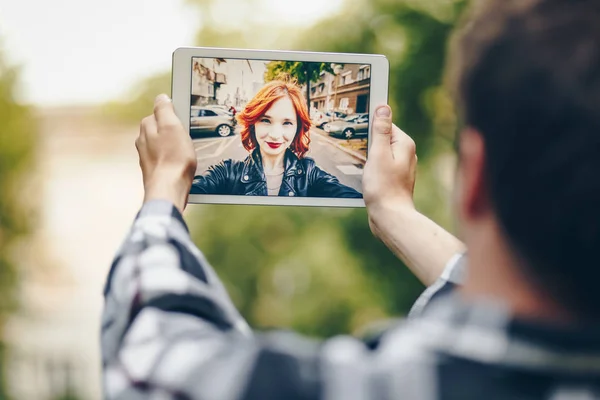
(181, 82)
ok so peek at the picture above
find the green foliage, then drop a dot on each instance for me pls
(315, 270)
(68, 394)
(16, 152)
(288, 267)
(414, 41)
(139, 102)
(302, 72)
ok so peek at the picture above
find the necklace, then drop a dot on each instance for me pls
(277, 177)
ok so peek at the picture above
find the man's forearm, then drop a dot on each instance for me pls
(424, 246)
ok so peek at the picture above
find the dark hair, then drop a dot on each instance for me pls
(526, 75)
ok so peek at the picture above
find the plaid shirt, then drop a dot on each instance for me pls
(170, 331)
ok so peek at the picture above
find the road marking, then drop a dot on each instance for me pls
(350, 169)
(225, 143)
(206, 143)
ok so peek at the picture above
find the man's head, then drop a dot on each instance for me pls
(527, 79)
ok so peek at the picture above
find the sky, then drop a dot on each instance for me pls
(86, 52)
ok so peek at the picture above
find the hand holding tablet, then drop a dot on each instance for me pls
(280, 128)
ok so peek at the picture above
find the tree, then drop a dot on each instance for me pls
(303, 72)
(16, 151)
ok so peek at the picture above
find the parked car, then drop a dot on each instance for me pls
(207, 120)
(225, 109)
(349, 127)
(322, 118)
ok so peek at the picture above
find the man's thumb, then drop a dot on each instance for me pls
(382, 132)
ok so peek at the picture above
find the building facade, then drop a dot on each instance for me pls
(206, 81)
(225, 82)
(347, 92)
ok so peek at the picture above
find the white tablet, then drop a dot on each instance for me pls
(278, 127)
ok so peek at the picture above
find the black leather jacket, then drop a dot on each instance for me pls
(301, 178)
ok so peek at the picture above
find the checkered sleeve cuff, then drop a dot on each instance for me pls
(452, 276)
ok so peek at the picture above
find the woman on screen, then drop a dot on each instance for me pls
(275, 131)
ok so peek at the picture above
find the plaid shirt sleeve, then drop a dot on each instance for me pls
(170, 331)
(452, 276)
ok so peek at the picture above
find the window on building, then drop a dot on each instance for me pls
(364, 72)
(344, 103)
(347, 78)
(362, 103)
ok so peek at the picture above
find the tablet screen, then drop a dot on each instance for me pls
(279, 128)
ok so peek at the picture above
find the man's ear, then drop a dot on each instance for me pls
(472, 196)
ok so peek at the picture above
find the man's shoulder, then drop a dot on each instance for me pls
(411, 362)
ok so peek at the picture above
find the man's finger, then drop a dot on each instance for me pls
(403, 146)
(164, 112)
(380, 148)
(141, 144)
(149, 127)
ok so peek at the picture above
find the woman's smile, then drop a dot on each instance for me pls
(274, 145)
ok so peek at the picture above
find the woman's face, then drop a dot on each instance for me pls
(276, 130)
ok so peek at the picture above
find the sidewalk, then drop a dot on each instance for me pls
(355, 147)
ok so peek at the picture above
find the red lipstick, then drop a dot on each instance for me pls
(273, 145)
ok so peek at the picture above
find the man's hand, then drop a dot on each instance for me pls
(388, 186)
(389, 176)
(167, 156)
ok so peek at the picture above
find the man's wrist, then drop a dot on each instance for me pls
(390, 211)
(174, 188)
(172, 197)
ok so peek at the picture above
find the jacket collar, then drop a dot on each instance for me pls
(253, 167)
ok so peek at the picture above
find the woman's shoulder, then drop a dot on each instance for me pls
(227, 167)
(310, 166)
(231, 163)
(307, 161)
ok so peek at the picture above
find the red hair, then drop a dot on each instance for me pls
(262, 102)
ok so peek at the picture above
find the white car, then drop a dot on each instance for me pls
(322, 118)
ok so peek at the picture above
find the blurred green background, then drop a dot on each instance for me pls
(318, 271)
